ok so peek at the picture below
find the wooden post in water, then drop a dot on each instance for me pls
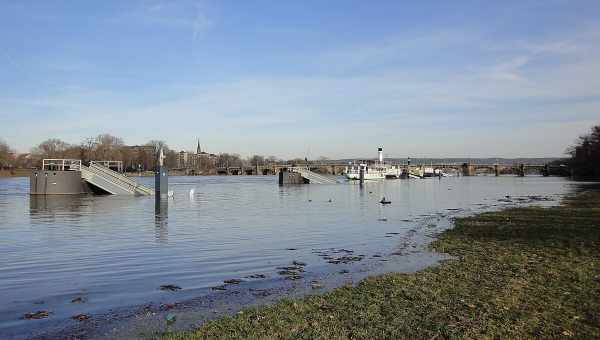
(496, 170)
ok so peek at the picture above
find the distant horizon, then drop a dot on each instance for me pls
(293, 79)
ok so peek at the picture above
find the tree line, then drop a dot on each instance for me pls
(107, 147)
(585, 156)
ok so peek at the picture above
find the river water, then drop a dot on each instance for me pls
(96, 254)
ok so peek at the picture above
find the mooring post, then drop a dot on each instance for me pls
(496, 170)
(546, 170)
(361, 174)
(522, 170)
(466, 169)
(161, 178)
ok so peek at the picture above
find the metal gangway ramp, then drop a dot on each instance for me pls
(313, 177)
(112, 181)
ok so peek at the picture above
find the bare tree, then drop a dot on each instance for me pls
(158, 144)
(108, 147)
(6, 155)
(256, 160)
(50, 148)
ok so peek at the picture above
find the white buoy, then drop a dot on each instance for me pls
(191, 193)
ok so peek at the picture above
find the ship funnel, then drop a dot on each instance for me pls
(380, 151)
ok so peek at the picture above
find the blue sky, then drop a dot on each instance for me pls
(315, 78)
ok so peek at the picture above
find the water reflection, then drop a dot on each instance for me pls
(161, 219)
(51, 207)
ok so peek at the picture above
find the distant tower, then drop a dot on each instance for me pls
(380, 152)
(198, 150)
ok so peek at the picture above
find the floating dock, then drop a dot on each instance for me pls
(71, 177)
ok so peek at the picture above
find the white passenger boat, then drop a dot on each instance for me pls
(371, 172)
(374, 171)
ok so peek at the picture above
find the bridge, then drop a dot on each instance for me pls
(339, 168)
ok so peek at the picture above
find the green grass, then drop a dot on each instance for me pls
(518, 273)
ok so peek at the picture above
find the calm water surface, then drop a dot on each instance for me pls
(113, 251)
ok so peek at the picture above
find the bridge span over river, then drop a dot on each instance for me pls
(339, 168)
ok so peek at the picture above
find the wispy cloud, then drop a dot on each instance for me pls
(189, 15)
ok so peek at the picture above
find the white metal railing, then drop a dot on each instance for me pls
(119, 179)
(60, 164)
(110, 164)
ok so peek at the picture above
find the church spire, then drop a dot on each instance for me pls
(198, 150)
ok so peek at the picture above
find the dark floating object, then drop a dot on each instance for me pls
(167, 306)
(291, 248)
(346, 259)
(384, 201)
(293, 277)
(170, 287)
(298, 263)
(293, 268)
(81, 317)
(40, 314)
(382, 219)
(344, 271)
(78, 300)
(330, 200)
(256, 276)
(233, 281)
(310, 200)
(221, 287)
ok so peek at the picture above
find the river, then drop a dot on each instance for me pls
(99, 255)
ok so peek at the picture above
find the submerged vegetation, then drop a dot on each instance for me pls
(518, 273)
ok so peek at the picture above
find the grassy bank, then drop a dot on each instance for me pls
(519, 273)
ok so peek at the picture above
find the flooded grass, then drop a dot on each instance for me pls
(518, 273)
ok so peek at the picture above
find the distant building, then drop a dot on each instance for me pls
(195, 160)
(182, 159)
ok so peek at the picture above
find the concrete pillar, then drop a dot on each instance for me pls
(161, 182)
(467, 169)
(361, 176)
(521, 170)
(161, 178)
